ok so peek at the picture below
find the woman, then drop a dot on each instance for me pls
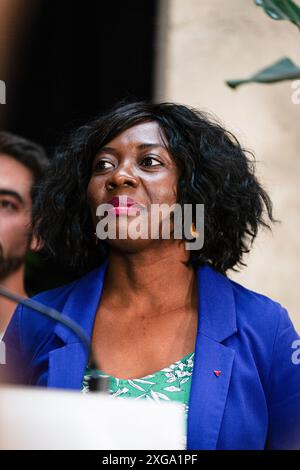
(161, 317)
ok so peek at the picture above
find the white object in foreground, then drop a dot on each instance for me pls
(37, 418)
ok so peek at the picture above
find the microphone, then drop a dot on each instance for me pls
(96, 383)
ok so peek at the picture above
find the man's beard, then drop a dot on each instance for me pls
(10, 264)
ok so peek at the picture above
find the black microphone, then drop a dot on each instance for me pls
(96, 383)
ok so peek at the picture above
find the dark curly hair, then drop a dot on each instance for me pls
(216, 171)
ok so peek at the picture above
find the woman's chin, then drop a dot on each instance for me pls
(129, 245)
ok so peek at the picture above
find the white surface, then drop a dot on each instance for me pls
(35, 418)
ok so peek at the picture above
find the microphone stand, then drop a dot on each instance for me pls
(96, 382)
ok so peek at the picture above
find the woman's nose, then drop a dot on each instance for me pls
(121, 177)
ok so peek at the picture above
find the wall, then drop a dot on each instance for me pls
(200, 45)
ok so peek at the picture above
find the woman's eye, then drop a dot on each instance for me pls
(150, 161)
(7, 205)
(102, 165)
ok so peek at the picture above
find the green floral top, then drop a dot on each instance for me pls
(170, 383)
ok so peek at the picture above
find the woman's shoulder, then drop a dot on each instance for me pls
(28, 326)
(258, 312)
(243, 305)
(251, 299)
(57, 297)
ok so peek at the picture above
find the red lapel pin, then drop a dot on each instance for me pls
(217, 373)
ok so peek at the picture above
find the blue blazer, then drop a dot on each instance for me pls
(253, 404)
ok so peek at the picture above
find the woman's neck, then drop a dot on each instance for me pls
(153, 280)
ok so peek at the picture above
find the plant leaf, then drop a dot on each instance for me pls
(283, 69)
(281, 10)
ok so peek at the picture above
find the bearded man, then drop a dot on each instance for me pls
(22, 164)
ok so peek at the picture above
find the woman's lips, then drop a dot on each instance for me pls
(132, 210)
(124, 205)
(122, 201)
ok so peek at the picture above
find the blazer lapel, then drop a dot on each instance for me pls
(67, 363)
(212, 361)
(66, 366)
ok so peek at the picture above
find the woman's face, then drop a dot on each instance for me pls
(135, 164)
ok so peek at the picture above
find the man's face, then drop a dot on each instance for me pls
(15, 214)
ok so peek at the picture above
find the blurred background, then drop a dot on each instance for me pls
(63, 61)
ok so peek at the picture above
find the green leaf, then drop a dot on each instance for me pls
(281, 10)
(282, 70)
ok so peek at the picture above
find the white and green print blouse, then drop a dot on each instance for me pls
(171, 383)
